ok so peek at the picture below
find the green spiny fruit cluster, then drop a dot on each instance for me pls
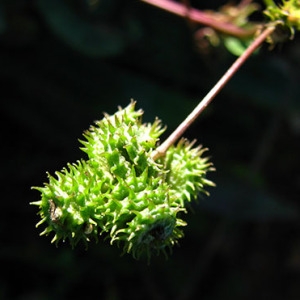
(286, 15)
(120, 192)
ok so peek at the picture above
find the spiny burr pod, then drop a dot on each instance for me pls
(120, 192)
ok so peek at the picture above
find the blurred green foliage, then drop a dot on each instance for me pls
(65, 62)
(98, 39)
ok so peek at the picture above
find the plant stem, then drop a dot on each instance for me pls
(201, 17)
(177, 133)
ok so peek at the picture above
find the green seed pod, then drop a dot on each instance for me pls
(120, 192)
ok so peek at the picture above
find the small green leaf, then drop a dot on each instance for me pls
(236, 46)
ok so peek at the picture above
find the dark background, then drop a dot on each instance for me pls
(64, 63)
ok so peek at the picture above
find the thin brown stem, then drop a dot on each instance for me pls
(202, 18)
(177, 133)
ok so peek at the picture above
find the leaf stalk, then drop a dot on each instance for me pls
(177, 133)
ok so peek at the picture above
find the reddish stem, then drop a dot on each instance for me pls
(177, 133)
(201, 17)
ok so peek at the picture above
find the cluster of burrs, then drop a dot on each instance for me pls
(120, 192)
